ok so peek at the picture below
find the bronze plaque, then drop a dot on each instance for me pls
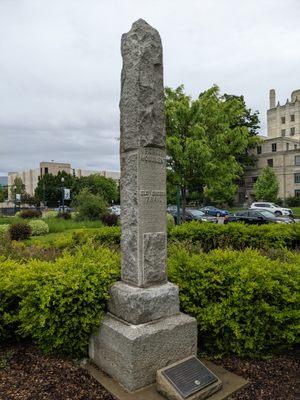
(189, 377)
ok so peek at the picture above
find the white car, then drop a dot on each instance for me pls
(274, 208)
(115, 210)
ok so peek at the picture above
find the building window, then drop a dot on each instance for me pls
(283, 132)
(293, 131)
(274, 147)
(292, 117)
(297, 160)
(297, 177)
(46, 170)
(297, 192)
(254, 179)
(258, 149)
(295, 146)
(283, 120)
(287, 146)
(270, 162)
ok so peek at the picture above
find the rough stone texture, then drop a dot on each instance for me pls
(142, 88)
(132, 354)
(143, 158)
(138, 305)
(145, 330)
(167, 389)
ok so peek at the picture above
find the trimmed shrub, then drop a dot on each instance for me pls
(3, 231)
(57, 304)
(293, 201)
(89, 206)
(245, 303)
(50, 214)
(19, 231)
(38, 227)
(27, 214)
(238, 236)
(110, 219)
(170, 221)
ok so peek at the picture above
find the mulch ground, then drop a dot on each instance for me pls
(275, 379)
(27, 374)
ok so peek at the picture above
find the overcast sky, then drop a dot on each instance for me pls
(60, 67)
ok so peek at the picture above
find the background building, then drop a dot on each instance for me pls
(280, 150)
(30, 177)
(3, 181)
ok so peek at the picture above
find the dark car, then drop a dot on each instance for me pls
(216, 212)
(192, 214)
(257, 217)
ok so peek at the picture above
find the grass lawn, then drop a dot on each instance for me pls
(61, 225)
(56, 224)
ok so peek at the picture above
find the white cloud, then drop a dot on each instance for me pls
(60, 67)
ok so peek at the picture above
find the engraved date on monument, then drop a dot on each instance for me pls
(153, 196)
(153, 155)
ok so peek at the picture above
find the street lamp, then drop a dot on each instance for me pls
(62, 193)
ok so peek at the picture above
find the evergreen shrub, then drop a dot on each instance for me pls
(50, 214)
(28, 214)
(38, 227)
(237, 235)
(3, 231)
(245, 303)
(57, 304)
(110, 219)
(19, 231)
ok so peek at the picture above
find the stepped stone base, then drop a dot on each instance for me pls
(140, 305)
(132, 354)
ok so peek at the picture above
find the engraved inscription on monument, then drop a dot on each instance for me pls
(189, 377)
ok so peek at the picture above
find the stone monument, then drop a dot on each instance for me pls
(144, 329)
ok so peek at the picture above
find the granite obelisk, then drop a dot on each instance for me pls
(144, 330)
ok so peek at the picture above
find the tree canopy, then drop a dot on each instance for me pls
(49, 188)
(266, 187)
(206, 139)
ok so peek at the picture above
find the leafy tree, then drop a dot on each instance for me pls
(49, 187)
(266, 187)
(89, 206)
(17, 187)
(205, 138)
(98, 184)
(28, 199)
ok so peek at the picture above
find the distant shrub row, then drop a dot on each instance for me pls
(238, 236)
(207, 236)
(244, 303)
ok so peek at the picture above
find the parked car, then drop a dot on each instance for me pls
(216, 212)
(257, 217)
(192, 214)
(277, 210)
(115, 210)
(63, 208)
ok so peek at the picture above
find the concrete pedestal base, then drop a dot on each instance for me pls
(132, 354)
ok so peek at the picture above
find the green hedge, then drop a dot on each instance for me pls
(38, 227)
(238, 236)
(244, 303)
(57, 304)
(209, 236)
